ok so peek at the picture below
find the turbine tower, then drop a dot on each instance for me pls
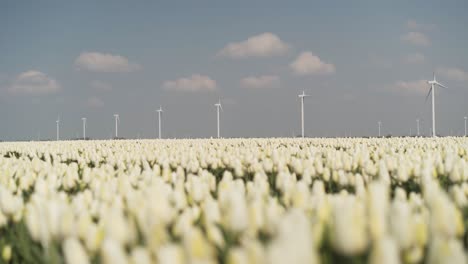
(159, 120)
(433, 84)
(417, 127)
(465, 125)
(301, 96)
(84, 127)
(117, 121)
(58, 128)
(218, 107)
(380, 125)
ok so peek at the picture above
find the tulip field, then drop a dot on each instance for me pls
(348, 200)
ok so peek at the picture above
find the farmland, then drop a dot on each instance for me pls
(395, 200)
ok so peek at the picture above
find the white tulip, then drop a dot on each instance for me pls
(234, 211)
(384, 251)
(442, 250)
(237, 256)
(170, 254)
(378, 206)
(113, 253)
(74, 252)
(9, 204)
(197, 247)
(140, 255)
(349, 236)
(295, 227)
(400, 222)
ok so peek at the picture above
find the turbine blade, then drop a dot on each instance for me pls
(429, 93)
(439, 84)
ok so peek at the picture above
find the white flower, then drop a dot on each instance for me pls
(9, 204)
(93, 237)
(170, 254)
(401, 224)
(234, 211)
(197, 247)
(118, 228)
(113, 253)
(211, 212)
(377, 206)
(348, 234)
(442, 250)
(384, 251)
(140, 255)
(74, 252)
(237, 256)
(294, 243)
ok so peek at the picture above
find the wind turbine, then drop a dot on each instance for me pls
(159, 120)
(117, 120)
(58, 127)
(380, 125)
(218, 107)
(465, 125)
(84, 127)
(417, 127)
(301, 96)
(433, 84)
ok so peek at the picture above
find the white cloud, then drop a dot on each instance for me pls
(416, 38)
(94, 102)
(415, 58)
(263, 81)
(307, 63)
(100, 85)
(454, 74)
(263, 45)
(33, 83)
(196, 82)
(413, 25)
(102, 62)
(415, 87)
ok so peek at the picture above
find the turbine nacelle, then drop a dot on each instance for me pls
(435, 82)
(218, 105)
(303, 95)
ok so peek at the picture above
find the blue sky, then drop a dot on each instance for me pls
(361, 62)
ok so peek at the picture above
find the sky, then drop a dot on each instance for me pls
(360, 61)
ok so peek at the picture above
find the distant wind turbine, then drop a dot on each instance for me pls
(117, 121)
(218, 107)
(301, 96)
(433, 84)
(58, 128)
(465, 125)
(417, 127)
(159, 120)
(84, 127)
(380, 125)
